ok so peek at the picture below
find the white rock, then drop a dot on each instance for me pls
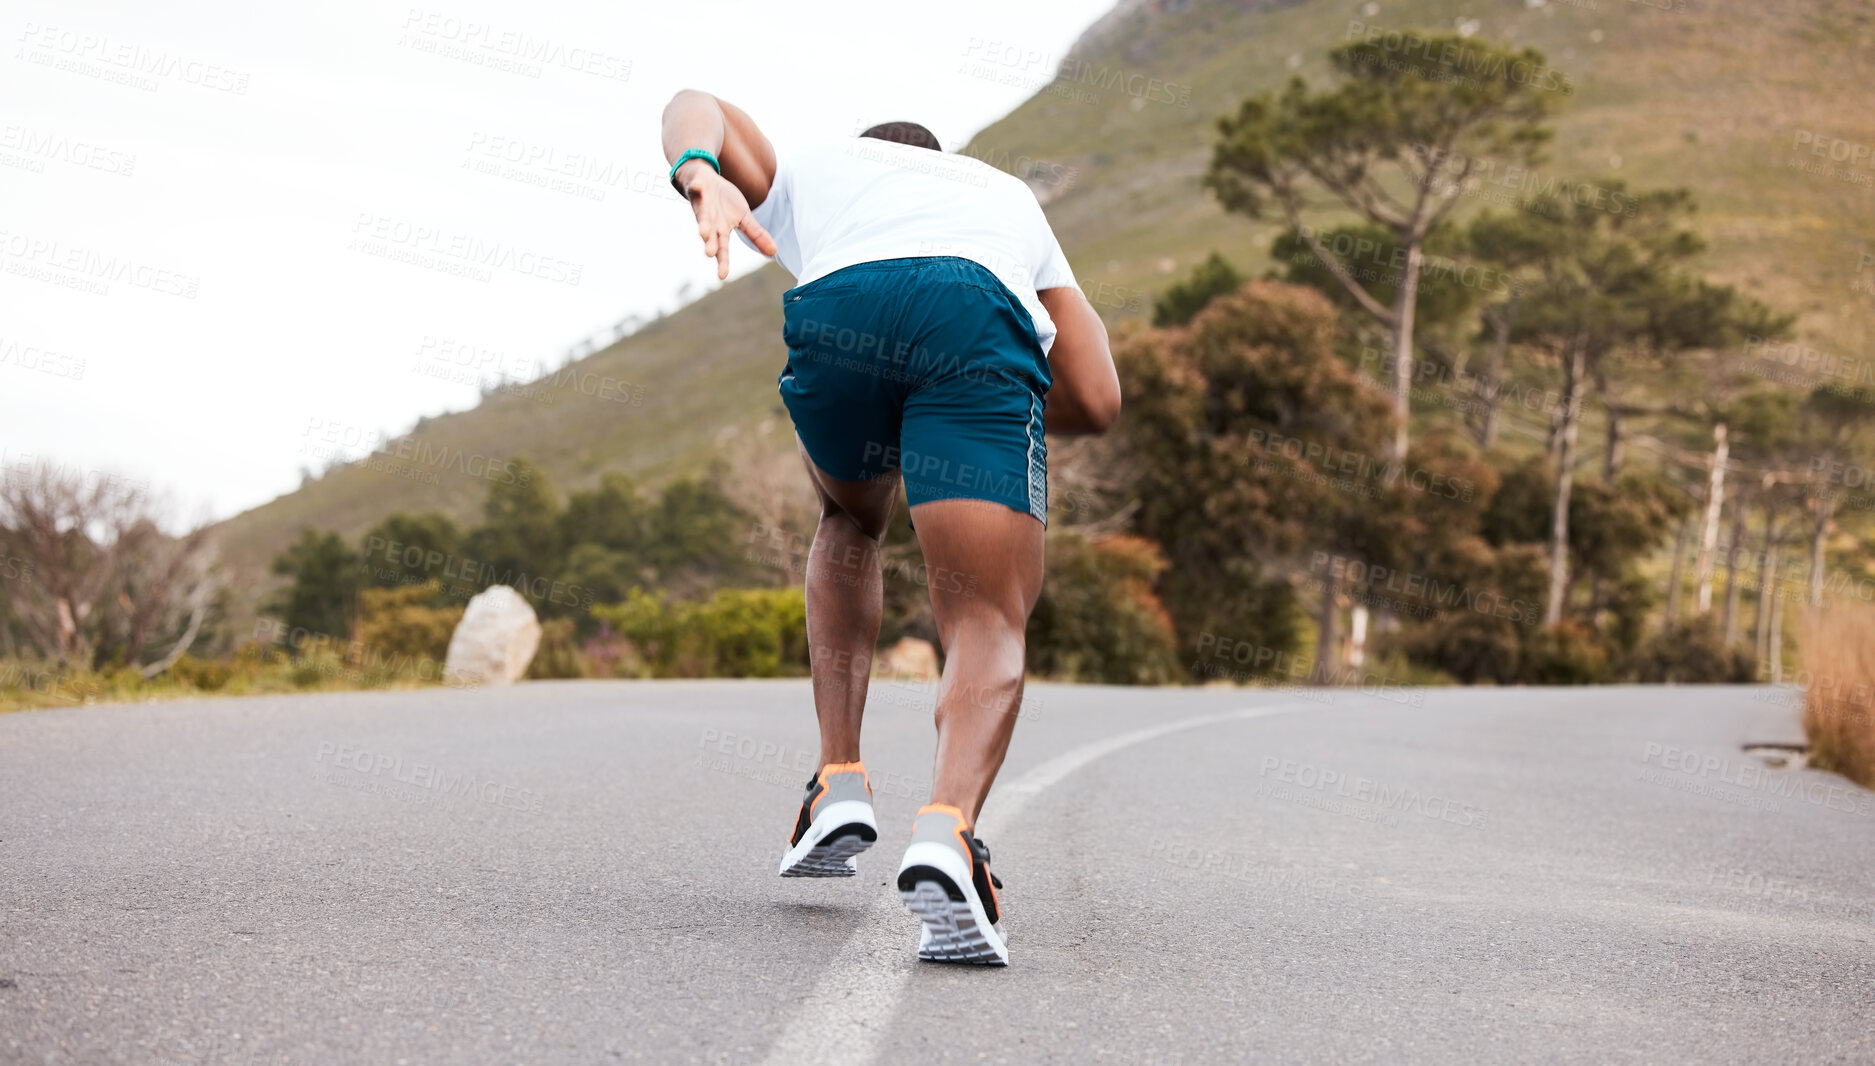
(910, 658)
(495, 640)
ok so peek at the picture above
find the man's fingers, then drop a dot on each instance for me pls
(754, 231)
(715, 226)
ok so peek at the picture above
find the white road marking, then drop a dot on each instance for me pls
(840, 1022)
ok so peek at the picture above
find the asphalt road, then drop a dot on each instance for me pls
(585, 873)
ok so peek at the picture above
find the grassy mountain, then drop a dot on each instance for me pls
(1725, 97)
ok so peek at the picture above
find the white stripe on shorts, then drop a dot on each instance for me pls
(1038, 462)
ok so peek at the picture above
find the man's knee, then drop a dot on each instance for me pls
(996, 601)
(873, 526)
(981, 627)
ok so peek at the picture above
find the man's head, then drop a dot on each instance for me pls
(905, 133)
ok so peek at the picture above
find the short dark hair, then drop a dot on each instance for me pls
(905, 133)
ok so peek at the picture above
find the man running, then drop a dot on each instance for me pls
(935, 332)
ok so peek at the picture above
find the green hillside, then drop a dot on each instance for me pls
(1713, 97)
(651, 405)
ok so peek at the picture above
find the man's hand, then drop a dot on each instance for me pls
(721, 209)
(721, 201)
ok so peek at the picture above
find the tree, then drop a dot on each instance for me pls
(1838, 425)
(1506, 243)
(606, 532)
(1430, 523)
(612, 516)
(1613, 527)
(1763, 436)
(1416, 119)
(70, 530)
(321, 601)
(519, 535)
(166, 588)
(598, 574)
(1612, 283)
(412, 549)
(1714, 502)
(87, 562)
(1443, 295)
(698, 538)
(1233, 423)
(1687, 313)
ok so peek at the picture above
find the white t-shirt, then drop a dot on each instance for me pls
(863, 200)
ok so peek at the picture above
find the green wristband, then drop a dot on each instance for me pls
(689, 154)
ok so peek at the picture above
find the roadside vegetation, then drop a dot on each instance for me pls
(1838, 683)
(32, 684)
(1440, 441)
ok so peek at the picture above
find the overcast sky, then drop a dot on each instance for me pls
(224, 223)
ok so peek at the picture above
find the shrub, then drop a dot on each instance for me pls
(400, 623)
(1472, 647)
(207, 675)
(607, 654)
(1692, 652)
(1567, 653)
(1390, 671)
(735, 633)
(1838, 647)
(1519, 511)
(37, 683)
(1097, 619)
(559, 654)
(253, 668)
(1226, 505)
(315, 668)
(1483, 637)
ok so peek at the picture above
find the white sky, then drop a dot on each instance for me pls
(216, 161)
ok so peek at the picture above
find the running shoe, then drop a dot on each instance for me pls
(835, 824)
(945, 879)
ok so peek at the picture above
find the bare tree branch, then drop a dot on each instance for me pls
(94, 543)
(198, 609)
(1340, 271)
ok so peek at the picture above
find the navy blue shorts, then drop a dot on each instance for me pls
(928, 366)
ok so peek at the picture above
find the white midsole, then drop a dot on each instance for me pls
(943, 857)
(830, 818)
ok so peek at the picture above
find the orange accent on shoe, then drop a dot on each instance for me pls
(958, 829)
(838, 768)
(944, 808)
(962, 842)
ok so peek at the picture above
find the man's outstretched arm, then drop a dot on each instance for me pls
(1085, 397)
(722, 203)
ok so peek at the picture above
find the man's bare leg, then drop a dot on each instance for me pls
(845, 598)
(984, 561)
